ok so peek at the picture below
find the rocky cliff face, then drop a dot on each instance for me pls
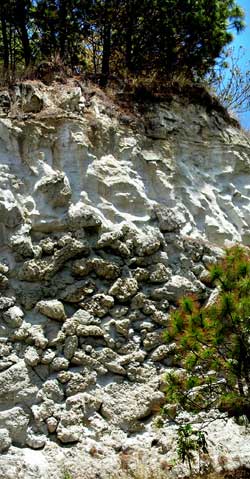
(107, 218)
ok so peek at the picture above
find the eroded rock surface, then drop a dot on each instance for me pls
(103, 227)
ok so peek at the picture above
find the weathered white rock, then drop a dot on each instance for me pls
(70, 346)
(122, 326)
(78, 291)
(88, 404)
(83, 216)
(150, 178)
(47, 245)
(6, 302)
(153, 339)
(147, 243)
(110, 220)
(34, 440)
(80, 318)
(55, 188)
(52, 390)
(22, 246)
(159, 317)
(51, 424)
(52, 308)
(124, 288)
(5, 440)
(10, 212)
(36, 333)
(98, 305)
(70, 433)
(3, 281)
(47, 356)
(45, 409)
(59, 364)
(141, 274)
(4, 268)
(80, 382)
(169, 219)
(163, 352)
(40, 269)
(13, 316)
(31, 356)
(32, 100)
(179, 286)
(103, 269)
(89, 331)
(125, 404)
(159, 273)
(18, 385)
(16, 421)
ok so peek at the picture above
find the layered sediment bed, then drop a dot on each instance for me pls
(107, 220)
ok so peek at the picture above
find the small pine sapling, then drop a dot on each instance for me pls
(189, 442)
(213, 343)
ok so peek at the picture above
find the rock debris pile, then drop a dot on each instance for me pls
(82, 318)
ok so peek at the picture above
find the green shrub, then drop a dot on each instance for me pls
(213, 344)
(189, 442)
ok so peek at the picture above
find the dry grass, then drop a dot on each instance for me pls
(241, 473)
(142, 473)
(141, 470)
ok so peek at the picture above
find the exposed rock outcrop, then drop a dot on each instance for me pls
(103, 227)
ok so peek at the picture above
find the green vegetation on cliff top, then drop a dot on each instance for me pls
(165, 38)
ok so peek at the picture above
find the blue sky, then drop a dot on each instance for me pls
(244, 40)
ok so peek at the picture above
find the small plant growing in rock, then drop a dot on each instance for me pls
(67, 475)
(189, 442)
(213, 343)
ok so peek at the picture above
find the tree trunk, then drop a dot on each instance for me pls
(21, 24)
(11, 28)
(131, 19)
(26, 45)
(240, 368)
(128, 58)
(106, 54)
(62, 28)
(5, 42)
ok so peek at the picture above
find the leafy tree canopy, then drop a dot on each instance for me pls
(118, 37)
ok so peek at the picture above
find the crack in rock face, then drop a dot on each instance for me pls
(103, 228)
